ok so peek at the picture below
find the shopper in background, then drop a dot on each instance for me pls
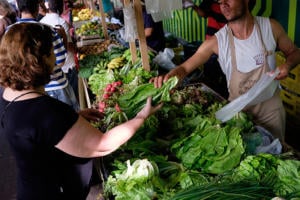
(67, 11)
(8, 16)
(53, 19)
(42, 10)
(209, 9)
(154, 32)
(47, 136)
(58, 87)
(118, 10)
(246, 50)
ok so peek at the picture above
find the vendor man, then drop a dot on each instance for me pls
(246, 48)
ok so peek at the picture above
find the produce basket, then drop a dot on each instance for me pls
(201, 87)
(86, 42)
(95, 48)
(216, 95)
(77, 24)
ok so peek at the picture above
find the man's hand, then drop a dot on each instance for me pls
(283, 72)
(159, 80)
(178, 71)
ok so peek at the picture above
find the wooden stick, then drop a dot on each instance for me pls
(141, 34)
(103, 21)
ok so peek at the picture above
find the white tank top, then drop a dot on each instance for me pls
(249, 52)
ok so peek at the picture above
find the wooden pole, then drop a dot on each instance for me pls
(141, 34)
(103, 21)
(81, 92)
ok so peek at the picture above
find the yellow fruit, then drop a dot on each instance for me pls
(75, 19)
(81, 56)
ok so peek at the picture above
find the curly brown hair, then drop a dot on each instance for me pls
(24, 50)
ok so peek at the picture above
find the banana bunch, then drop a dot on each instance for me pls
(81, 57)
(116, 63)
(85, 14)
(100, 66)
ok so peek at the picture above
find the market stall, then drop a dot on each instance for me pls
(184, 151)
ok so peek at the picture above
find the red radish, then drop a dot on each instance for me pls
(106, 95)
(112, 89)
(102, 104)
(117, 108)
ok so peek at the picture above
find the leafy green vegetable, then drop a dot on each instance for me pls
(133, 101)
(134, 182)
(128, 74)
(225, 191)
(98, 81)
(267, 169)
(261, 168)
(288, 177)
(192, 178)
(210, 148)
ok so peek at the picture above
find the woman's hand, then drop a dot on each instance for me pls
(91, 114)
(148, 109)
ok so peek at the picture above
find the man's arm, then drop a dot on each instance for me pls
(204, 52)
(286, 45)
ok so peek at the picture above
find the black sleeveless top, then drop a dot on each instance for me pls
(33, 127)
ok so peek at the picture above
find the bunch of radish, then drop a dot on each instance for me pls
(108, 96)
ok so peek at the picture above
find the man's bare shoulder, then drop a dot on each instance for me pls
(277, 28)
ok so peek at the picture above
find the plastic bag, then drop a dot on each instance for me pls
(262, 90)
(261, 141)
(187, 4)
(159, 16)
(164, 59)
(154, 6)
(162, 9)
(269, 144)
(130, 34)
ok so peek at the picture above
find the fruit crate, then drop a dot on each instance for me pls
(202, 87)
(291, 102)
(96, 48)
(292, 82)
(90, 41)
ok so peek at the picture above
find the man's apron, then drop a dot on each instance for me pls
(269, 114)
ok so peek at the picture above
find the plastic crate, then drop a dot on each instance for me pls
(291, 102)
(292, 82)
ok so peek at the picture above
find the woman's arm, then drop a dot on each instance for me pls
(83, 140)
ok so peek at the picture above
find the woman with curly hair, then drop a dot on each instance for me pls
(49, 139)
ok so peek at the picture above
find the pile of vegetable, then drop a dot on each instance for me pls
(133, 101)
(210, 148)
(183, 151)
(282, 175)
